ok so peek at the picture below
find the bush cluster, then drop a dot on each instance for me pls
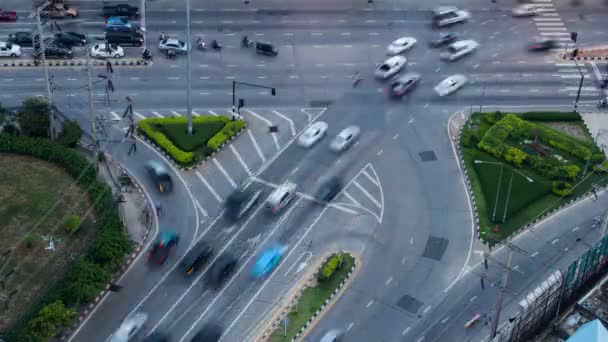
(151, 128)
(561, 188)
(329, 267)
(93, 270)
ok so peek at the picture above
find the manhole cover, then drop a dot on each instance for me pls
(435, 247)
(426, 156)
(409, 304)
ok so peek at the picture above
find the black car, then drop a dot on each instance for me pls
(160, 176)
(133, 38)
(121, 10)
(157, 337)
(265, 48)
(221, 270)
(240, 202)
(209, 333)
(329, 189)
(21, 38)
(70, 39)
(543, 45)
(444, 39)
(54, 52)
(197, 258)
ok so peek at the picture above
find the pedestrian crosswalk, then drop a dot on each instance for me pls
(550, 25)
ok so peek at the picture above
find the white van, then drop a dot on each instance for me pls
(281, 197)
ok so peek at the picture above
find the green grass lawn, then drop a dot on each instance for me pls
(311, 300)
(201, 133)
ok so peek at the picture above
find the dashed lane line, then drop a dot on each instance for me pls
(115, 116)
(367, 194)
(217, 197)
(175, 113)
(139, 115)
(223, 171)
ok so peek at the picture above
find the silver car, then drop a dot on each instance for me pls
(345, 139)
(448, 15)
(174, 45)
(313, 134)
(129, 328)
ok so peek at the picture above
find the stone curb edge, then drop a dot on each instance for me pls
(287, 309)
(460, 158)
(204, 160)
(129, 259)
(77, 62)
(605, 58)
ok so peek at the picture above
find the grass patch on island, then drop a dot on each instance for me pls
(312, 299)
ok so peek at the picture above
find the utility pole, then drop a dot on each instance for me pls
(501, 294)
(92, 116)
(49, 94)
(188, 49)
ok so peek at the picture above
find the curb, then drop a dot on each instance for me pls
(129, 259)
(585, 58)
(204, 160)
(76, 62)
(277, 320)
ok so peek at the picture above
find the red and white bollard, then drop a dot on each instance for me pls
(472, 321)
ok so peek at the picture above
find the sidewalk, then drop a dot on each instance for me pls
(593, 53)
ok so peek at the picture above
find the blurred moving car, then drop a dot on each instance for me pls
(313, 134)
(542, 45)
(400, 45)
(129, 328)
(70, 39)
(197, 258)
(333, 335)
(8, 15)
(450, 84)
(120, 10)
(345, 139)
(330, 187)
(130, 38)
(104, 50)
(23, 38)
(118, 24)
(240, 202)
(157, 337)
(9, 50)
(221, 270)
(159, 252)
(281, 197)
(458, 50)
(160, 176)
(58, 10)
(444, 39)
(54, 52)
(525, 10)
(172, 44)
(390, 67)
(268, 260)
(208, 333)
(449, 15)
(404, 84)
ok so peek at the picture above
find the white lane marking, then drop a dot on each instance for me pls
(554, 241)
(367, 194)
(173, 78)
(534, 254)
(369, 303)
(575, 229)
(274, 136)
(370, 178)
(240, 159)
(443, 321)
(411, 241)
(175, 113)
(213, 113)
(157, 114)
(116, 116)
(200, 207)
(293, 128)
(405, 331)
(257, 147)
(427, 309)
(403, 260)
(380, 152)
(139, 115)
(554, 33)
(473, 299)
(352, 199)
(309, 255)
(198, 114)
(350, 326)
(223, 171)
(217, 197)
(395, 136)
(388, 281)
(549, 24)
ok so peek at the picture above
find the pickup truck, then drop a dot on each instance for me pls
(121, 10)
(59, 10)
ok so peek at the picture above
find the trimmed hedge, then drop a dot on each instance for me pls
(329, 267)
(110, 245)
(551, 116)
(152, 129)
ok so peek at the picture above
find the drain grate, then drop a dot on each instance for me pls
(320, 103)
(435, 247)
(427, 156)
(409, 304)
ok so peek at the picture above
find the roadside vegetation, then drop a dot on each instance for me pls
(210, 133)
(524, 165)
(329, 277)
(51, 199)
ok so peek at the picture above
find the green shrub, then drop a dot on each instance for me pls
(33, 117)
(551, 116)
(230, 130)
(568, 171)
(10, 128)
(329, 267)
(515, 156)
(71, 224)
(70, 133)
(83, 282)
(49, 320)
(597, 158)
(30, 240)
(561, 188)
(492, 117)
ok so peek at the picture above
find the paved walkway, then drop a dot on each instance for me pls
(597, 122)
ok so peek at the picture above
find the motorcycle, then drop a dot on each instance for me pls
(246, 42)
(146, 55)
(170, 54)
(200, 44)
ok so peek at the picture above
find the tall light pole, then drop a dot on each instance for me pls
(188, 49)
(530, 180)
(498, 187)
(580, 85)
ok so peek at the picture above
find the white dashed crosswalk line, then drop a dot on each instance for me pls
(240, 159)
(367, 194)
(223, 171)
(198, 205)
(158, 114)
(213, 113)
(371, 179)
(175, 113)
(115, 116)
(209, 187)
(256, 146)
(139, 115)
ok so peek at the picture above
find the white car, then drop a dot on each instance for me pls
(107, 51)
(345, 139)
(458, 49)
(9, 50)
(525, 10)
(129, 328)
(450, 84)
(445, 16)
(173, 44)
(390, 67)
(400, 45)
(313, 134)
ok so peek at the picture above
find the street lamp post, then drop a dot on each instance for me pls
(530, 180)
(273, 92)
(188, 50)
(580, 85)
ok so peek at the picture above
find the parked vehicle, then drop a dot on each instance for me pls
(9, 50)
(23, 38)
(104, 50)
(121, 10)
(8, 16)
(132, 38)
